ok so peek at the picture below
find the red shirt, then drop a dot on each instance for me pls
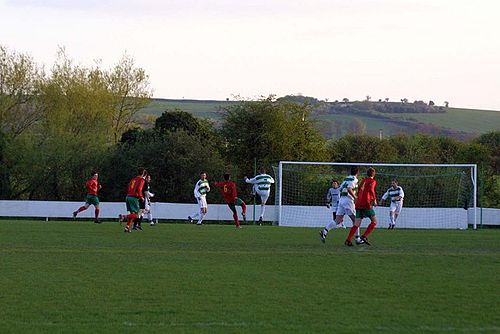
(135, 187)
(228, 189)
(92, 186)
(366, 193)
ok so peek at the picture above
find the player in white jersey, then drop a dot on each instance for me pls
(396, 193)
(201, 189)
(347, 194)
(147, 200)
(332, 202)
(262, 187)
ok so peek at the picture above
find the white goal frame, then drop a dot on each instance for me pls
(472, 167)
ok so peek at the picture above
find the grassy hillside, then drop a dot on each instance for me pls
(457, 122)
(200, 108)
(468, 120)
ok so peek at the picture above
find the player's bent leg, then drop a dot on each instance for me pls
(243, 205)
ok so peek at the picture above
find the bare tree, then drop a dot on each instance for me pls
(130, 88)
(20, 79)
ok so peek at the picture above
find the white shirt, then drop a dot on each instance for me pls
(350, 182)
(393, 193)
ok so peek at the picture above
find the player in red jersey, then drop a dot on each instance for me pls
(134, 196)
(367, 198)
(228, 189)
(93, 187)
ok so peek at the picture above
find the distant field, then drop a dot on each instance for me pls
(373, 125)
(68, 277)
(199, 108)
(467, 120)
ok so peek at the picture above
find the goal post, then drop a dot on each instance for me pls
(436, 195)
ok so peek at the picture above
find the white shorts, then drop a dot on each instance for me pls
(202, 202)
(333, 209)
(396, 207)
(147, 205)
(264, 195)
(346, 207)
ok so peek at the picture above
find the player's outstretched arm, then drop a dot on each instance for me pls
(247, 180)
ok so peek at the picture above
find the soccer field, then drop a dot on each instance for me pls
(80, 277)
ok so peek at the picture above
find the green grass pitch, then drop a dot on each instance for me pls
(78, 277)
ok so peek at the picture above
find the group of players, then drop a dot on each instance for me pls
(346, 198)
(261, 187)
(358, 202)
(138, 199)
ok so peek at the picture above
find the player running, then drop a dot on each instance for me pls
(145, 205)
(346, 206)
(93, 187)
(228, 189)
(201, 189)
(332, 202)
(262, 187)
(367, 198)
(134, 196)
(396, 193)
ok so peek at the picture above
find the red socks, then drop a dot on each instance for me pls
(130, 218)
(243, 208)
(236, 220)
(353, 230)
(82, 208)
(369, 229)
(96, 213)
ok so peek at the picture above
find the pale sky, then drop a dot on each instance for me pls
(444, 50)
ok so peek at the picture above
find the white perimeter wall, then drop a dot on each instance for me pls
(177, 211)
(293, 215)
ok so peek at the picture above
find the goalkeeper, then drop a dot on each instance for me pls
(396, 193)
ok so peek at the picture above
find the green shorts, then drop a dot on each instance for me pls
(132, 204)
(92, 200)
(365, 213)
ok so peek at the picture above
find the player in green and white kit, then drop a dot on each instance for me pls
(347, 189)
(262, 186)
(332, 202)
(396, 193)
(201, 189)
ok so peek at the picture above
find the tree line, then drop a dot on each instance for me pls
(57, 127)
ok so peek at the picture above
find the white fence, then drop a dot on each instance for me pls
(217, 212)
(168, 211)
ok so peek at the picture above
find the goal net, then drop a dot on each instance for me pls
(436, 196)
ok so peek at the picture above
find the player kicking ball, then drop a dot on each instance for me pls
(365, 202)
(262, 187)
(347, 192)
(228, 189)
